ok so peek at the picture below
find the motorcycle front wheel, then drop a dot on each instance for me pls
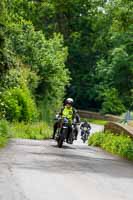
(84, 138)
(60, 142)
(61, 138)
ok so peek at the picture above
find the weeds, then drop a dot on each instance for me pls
(121, 145)
(39, 130)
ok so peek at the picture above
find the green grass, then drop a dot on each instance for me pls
(39, 130)
(95, 121)
(4, 132)
(121, 145)
(3, 141)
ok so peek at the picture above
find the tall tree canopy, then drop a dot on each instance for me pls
(3, 28)
(89, 41)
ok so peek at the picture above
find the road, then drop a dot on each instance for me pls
(38, 170)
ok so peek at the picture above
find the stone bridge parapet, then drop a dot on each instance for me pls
(96, 115)
(118, 128)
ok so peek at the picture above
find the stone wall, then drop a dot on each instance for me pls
(119, 128)
(112, 125)
(95, 115)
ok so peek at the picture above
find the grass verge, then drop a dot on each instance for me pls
(95, 121)
(4, 132)
(39, 130)
(121, 145)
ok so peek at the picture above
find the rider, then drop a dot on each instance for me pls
(70, 113)
(86, 125)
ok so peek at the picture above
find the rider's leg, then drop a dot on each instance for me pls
(55, 129)
(76, 133)
(82, 132)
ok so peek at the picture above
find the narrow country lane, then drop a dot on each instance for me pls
(38, 170)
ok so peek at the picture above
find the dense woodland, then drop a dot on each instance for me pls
(50, 49)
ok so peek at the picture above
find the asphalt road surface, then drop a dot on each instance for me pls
(39, 170)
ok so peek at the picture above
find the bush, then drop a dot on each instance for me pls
(39, 130)
(19, 77)
(4, 132)
(46, 58)
(17, 104)
(96, 139)
(112, 103)
(117, 144)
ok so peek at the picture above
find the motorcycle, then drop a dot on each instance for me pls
(86, 133)
(75, 129)
(62, 131)
(74, 133)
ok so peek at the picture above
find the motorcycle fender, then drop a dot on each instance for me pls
(65, 127)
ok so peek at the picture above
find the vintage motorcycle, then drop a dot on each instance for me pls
(85, 133)
(62, 131)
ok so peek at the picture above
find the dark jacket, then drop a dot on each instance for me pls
(85, 124)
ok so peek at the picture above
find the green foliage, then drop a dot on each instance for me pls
(112, 104)
(114, 68)
(17, 104)
(19, 77)
(94, 31)
(47, 110)
(93, 39)
(4, 132)
(3, 30)
(4, 129)
(96, 139)
(122, 73)
(39, 130)
(117, 144)
(16, 101)
(74, 20)
(46, 58)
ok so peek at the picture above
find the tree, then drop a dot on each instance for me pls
(74, 19)
(46, 58)
(98, 36)
(2, 35)
(115, 70)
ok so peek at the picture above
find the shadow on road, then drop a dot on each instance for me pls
(70, 160)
